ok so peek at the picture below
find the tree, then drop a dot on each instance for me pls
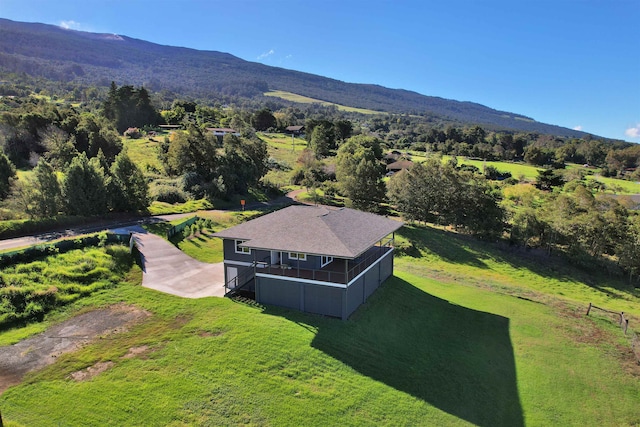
(47, 195)
(192, 151)
(84, 187)
(131, 192)
(547, 179)
(322, 139)
(127, 107)
(244, 162)
(343, 129)
(60, 147)
(359, 174)
(94, 134)
(263, 119)
(437, 192)
(7, 173)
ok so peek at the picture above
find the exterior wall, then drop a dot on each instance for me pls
(282, 293)
(312, 262)
(355, 296)
(307, 297)
(322, 299)
(229, 250)
(364, 286)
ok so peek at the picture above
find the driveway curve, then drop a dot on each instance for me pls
(167, 269)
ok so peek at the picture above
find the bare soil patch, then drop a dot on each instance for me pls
(91, 371)
(136, 351)
(41, 350)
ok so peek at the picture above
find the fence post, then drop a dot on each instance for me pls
(626, 325)
(589, 309)
(621, 318)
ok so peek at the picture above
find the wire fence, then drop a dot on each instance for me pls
(623, 321)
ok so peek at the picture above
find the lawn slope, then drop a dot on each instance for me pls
(464, 333)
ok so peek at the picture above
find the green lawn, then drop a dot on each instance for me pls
(465, 333)
(288, 96)
(143, 151)
(622, 186)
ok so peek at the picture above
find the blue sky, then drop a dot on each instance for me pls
(574, 63)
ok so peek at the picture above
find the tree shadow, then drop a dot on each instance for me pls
(457, 359)
(463, 249)
(439, 242)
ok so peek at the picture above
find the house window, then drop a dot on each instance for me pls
(297, 255)
(242, 249)
(325, 260)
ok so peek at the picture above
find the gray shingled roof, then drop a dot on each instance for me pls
(317, 230)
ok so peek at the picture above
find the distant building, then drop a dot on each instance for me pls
(398, 166)
(295, 130)
(223, 131)
(170, 127)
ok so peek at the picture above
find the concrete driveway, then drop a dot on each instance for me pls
(168, 269)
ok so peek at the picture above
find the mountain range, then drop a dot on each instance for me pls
(67, 55)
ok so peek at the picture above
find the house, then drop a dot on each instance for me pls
(398, 166)
(392, 156)
(310, 258)
(295, 130)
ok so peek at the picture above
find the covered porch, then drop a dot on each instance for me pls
(340, 270)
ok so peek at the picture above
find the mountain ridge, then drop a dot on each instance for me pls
(98, 58)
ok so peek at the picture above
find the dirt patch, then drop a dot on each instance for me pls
(91, 371)
(136, 351)
(41, 350)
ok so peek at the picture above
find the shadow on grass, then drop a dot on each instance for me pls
(456, 359)
(467, 250)
(439, 242)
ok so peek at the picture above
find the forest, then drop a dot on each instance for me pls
(62, 156)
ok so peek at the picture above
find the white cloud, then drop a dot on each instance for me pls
(70, 25)
(633, 132)
(266, 54)
(579, 127)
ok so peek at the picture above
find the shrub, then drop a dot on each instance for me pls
(168, 194)
(133, 133)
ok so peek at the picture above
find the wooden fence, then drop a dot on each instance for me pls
(623, 321)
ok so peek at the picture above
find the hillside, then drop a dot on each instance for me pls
(97, 59)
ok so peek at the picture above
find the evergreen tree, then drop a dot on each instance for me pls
(7, 173)
(47, 192)
(131, 189)
(84, 187)
(322, 139)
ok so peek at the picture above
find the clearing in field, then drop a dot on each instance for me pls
(288, 96)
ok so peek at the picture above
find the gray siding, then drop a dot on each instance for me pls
(312, 262)
(229, 248)
(386, 268)
(323, 300)
(282, 293)
(319, 299)
(355, 296)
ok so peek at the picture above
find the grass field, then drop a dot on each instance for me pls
(143, 151)
(288, 96)
(465, 333)
(530, 172)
